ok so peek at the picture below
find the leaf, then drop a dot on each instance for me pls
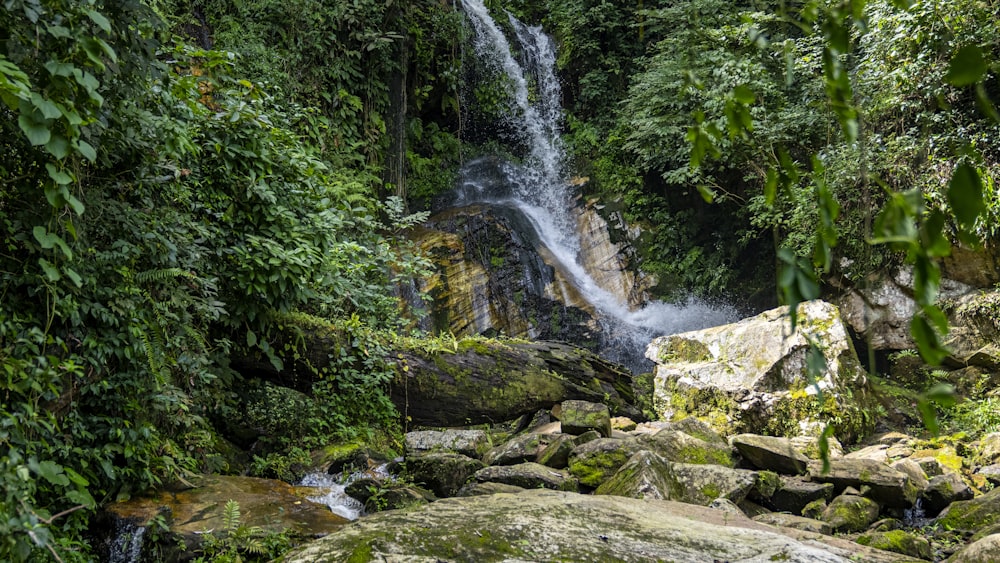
(51, 472)
(943, 394)
(87, 151)
(251, 339)
(74, 277)
(707, 193)
(58, 176)
(58, 146)
(967, 66)
(101, 21)
(928, 343)
(48, 109)
(965, 195)
(37, 133)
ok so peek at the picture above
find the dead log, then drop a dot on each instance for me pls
(462, 382)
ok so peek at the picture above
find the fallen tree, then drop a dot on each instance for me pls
(450, 382)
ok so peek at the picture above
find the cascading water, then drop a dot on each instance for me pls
(539, 188)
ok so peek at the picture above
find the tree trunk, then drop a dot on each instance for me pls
(394, 175)
(468, 381)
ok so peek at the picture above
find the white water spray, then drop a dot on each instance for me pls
(539, 188)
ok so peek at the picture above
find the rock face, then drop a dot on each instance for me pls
(886, 485)
(771, 453)
(882, 311)
(540, 525)
(751, 376)
(492, 278)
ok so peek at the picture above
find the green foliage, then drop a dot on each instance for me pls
(238, 543)
(153, 214)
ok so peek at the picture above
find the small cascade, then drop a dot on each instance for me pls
(330, 489)
(126, 544)
(539, 188)
(916, 516)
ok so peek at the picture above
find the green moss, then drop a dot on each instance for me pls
(596, 468)
(711, 491)
(897, 541)
(361, 554)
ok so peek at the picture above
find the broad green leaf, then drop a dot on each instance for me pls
(48, 109)
(58, 176)
(928, 343)
(967, 66)
(101, 21)
(75, 203)
(51, 472)
(74, 277)
(87, 150)
(38, 134)
(965, 195)
(57, 68)
(76, 477)
(942, 394)
(251, 339)
(58, 146)
(935, 241)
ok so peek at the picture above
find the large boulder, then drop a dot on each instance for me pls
(771, 452)
(850, 513)
(681, 447)
(701, 484)
(443, 473)
(470, 443)
(596, 461)
(881, 309)
(971, 515)
(985, 550)
(527, 475)
(886, 485)
(645, 475)
(541, 525)
(751, 376)
(578, 417)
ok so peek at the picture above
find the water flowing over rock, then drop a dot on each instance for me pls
(561, 273)
(752, 376)
(543, 525)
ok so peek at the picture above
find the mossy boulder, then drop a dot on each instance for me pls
(519, 449)
(850, 513)
(470, 443)
(397, 496)
(681, 447)
(528, 475)
(578, 417)
(442, 473)
(752, 376)
(985, 550)
(556, 454)
(898, 541)
(596, 461)
(644, 475)
(886, 485)
(944, 490)
(971, 515)
(771, 453)
(701, 484)
(543, 525)
(795, 493)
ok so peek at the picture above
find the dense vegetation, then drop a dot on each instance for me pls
(177, 178)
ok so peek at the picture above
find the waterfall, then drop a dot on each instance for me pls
(126, 541)
(539, 187)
